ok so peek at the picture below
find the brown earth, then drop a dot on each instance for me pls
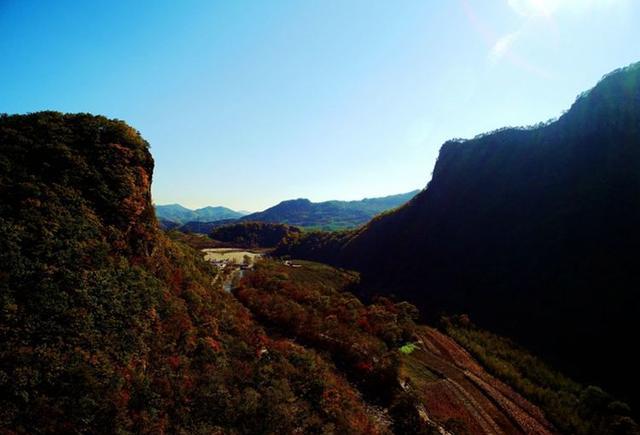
(457, 388)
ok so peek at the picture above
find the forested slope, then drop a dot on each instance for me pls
(107, 326)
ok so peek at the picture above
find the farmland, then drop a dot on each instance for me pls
(457, 392)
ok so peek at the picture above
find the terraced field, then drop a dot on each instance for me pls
(455, 388)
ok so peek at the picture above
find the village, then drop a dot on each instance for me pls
(234, 262)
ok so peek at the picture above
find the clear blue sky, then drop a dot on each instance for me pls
(246, 103)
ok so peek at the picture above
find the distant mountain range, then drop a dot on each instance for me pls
(327, 215)
(178, 214)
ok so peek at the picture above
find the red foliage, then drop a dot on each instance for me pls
(363, 323)
(121, 398)
(364, 366)
(174, 361)
(175, 281)
(213, 344)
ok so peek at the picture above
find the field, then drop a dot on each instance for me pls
(456, 390)
(572, 407)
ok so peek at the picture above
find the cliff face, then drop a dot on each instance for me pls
(82, 165)
(533, 232)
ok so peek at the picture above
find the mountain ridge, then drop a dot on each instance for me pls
(329, 214)
(302, 212)
(178, 214)
(531, 231)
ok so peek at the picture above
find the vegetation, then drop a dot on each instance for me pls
(417, 375)
(533, 232)
(107, 322)
(408, 348)
(328, 215)
(201, 227)
(194, 240)
(180, 215)
(320, 246)
(106, 325)
(253, 234)
(311, 304)
(572, 407)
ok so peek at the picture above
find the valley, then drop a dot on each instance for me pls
(320, 217)
(409, 324)
(449, 388)
(327, 215)
(231, 263)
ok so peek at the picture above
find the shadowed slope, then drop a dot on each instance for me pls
(533, 232)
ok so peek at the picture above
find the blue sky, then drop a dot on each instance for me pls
(246, 103)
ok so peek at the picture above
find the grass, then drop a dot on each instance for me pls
(414, 369)
(408, 348)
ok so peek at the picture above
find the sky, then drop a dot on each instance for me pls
(247, 103)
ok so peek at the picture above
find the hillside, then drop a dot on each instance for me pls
(253, 234)
(426, 381)
(328, 215)
(531, 231)
(175, 214)
(202, 227)
(108, 326)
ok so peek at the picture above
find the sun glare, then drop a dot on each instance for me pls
(528, 8)
(547, 8)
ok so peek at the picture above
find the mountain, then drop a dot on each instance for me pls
(202, 227)
(109, 325)
(168, 225)
(253, 234)
(174, 213)
(210, 214)
(106, 325)
(328, 215)
(533, 232)
(177, 214)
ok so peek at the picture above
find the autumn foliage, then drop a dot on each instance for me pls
(108, 326)
(312, 305)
